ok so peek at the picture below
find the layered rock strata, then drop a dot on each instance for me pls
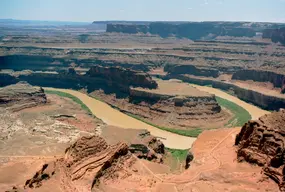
(169, 109)
(109, 79)
(192, 70)
(20, 96)
(191, 30)
(276, 35)
(123, 76)
(85, 161)
(277, 79)
(262, 142)
(263, 100)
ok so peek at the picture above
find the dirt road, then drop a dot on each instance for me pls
(254, 111)
(114, 117)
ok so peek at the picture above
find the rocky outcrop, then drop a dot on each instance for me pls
(260, 99)
(110, 79)
(175, 111)
(277, 79)
(124, 77)
(141, 143)
(85, 161)
(262, 142)
(192, 70)
(20, 96)
(179, 101)
(148, 147)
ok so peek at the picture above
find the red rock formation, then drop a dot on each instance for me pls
(123, 77)
(85, 161)
(260, 99)
(20, 96)
(262, 142)
(192, 70)
(148, 147)
(260, 75)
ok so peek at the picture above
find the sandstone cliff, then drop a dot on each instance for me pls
(170, 109)
(20, 96)
(277, 79)
(192, 70)
(262, 100)
(47, 62)
(124, 77)
(262, 142)
(84, 163)
(109, 79)
(191, 30)
(91, 158)
(276, 35)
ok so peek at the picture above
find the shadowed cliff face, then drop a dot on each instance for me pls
(191, 69)
(262, 76)
(124, 77)
(48, 63)
(276, 35)
(109, 79)
(262, 142)
(194, 30)
(262, 100)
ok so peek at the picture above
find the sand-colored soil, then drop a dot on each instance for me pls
(254, 111)
(114, 117)
(44, 130)
(175, 88)
(214, 168)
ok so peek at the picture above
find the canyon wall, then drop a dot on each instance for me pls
(190, 30)
(276, 35)
(20, 96)
(167, 110)
(22, 62)
(262, 142)
(110, 79)
(125, 77)
(48, 63)
(187, 101)
(192, 70)
(264, 101)
(277, 79)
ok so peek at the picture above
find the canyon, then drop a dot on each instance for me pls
(142, 106)
(117, 87)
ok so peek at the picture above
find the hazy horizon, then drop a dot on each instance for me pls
(155, 10)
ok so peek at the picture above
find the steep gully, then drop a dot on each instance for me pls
(116, 118)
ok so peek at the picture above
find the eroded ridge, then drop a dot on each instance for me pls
(83, 164)
(262, 142)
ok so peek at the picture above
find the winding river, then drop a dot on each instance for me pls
(114, 117)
